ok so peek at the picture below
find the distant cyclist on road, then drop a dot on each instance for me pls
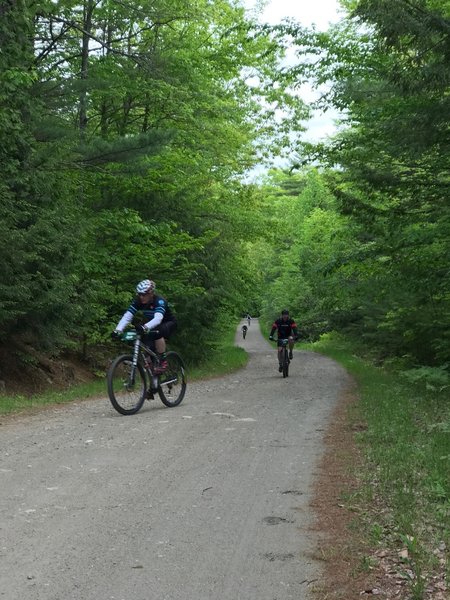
(249, 319)
(158, 315)
(286, 329)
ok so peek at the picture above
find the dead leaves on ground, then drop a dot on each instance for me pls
(396, 576)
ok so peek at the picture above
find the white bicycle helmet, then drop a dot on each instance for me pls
(143, 287)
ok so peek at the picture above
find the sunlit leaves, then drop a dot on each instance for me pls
(388, 68)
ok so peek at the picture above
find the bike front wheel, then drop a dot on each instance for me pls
(172, 383)
(127, 385)
(285, 363)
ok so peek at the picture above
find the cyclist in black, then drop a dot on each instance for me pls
(286, 329)
(158, 315)
(244, 331)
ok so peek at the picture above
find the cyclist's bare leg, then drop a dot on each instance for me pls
(280, 358)
(160, 345)
(291, 346)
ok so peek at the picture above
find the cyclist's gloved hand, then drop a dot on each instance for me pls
(141, 330)
(115, 335)
(271, 337)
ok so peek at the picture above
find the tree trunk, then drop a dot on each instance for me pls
(88, 10)
(104, 125)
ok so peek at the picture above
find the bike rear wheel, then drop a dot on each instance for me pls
(285, 363)
(127, 386)
(172, 383)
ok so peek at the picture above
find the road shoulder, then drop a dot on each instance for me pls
(341, 549)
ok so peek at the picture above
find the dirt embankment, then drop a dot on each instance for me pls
(26, 371)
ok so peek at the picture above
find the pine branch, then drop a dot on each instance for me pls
(441, 21)
(103, 44)
(46, 51)
(113, 154)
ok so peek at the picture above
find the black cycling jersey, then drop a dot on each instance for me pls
(284, 328)
(158, 304)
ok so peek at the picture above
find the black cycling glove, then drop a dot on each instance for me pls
(141, 330)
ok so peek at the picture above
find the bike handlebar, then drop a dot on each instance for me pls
(130, 335)
(285, 340)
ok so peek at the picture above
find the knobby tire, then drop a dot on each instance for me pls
(285, 363)
(125, 395)
(172, 383)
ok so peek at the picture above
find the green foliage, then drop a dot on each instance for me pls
(125, 131)
(37, 216)
(107, 277)
(387, 67)
(305, 261)
(435, 378)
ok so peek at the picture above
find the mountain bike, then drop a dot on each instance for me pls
(284, 362)
(132, 379)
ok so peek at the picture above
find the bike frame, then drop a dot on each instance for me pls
(141, 349)
(284, 345)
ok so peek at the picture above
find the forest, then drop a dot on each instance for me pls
(128, 130)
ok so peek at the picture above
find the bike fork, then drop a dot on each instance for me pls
(137, 346)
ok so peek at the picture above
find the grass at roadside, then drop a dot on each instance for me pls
(225, 358)
(404, 496)
(18, 402)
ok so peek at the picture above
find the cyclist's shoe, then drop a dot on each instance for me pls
(161, 367)
(290, 355)
(280, 368)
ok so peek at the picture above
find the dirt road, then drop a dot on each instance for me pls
(206, 501)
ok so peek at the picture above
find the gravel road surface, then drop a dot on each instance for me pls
(209, 500)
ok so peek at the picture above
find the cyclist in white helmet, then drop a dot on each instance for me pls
(158, 317)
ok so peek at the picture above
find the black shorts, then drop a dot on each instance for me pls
(165, 330)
